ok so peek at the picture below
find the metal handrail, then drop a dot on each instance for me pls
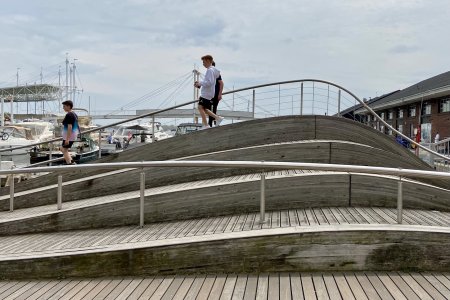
(262, 165)
(245, 89)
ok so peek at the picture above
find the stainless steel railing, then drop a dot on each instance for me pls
(264, 166)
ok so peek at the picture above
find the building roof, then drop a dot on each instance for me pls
(369, 102)
(34, 92)
(433, 87)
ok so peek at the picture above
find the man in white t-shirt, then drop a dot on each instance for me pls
(207, 91)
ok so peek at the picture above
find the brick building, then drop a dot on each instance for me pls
(426, 103)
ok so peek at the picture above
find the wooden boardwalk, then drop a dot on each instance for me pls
(107, 239)
(282, 286)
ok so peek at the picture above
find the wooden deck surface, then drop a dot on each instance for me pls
(34, 245)
(295, 286)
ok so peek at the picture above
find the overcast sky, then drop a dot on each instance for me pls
(125, 49)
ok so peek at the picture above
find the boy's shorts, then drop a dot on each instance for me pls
(205, 103)
(67, 146)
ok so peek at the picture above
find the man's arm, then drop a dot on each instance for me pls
(219, 97)
(209, 79)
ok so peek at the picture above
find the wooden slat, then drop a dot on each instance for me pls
(337, 214)
(418, 290)
(285, 287)
(81, 294)
(442, 279)
(196, 287)
(150, 290)
(216, 290)
(330, 283)
(17, 290)
(107, 289)
(239, 288)
(228, 288)
(140, 288)
(379, 287)
(367, 286)
(404, 287)
(250, 289)
(391, 287)
(285, 218)
(296, 286)
(352, 212)
(76, 289)
(53, 290)
(173, 288)
(308, 287)
(320, 287)
(425, 284)
(63, 290)
(184, 288)
(263, 287)
(274, 286)
(39, 289)
(355, 286)
(320, 216)
(329, 216)
(162, 288)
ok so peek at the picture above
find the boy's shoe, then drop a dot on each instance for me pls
(219, 120)
(204, 127)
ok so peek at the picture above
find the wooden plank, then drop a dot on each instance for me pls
(214, 225)
(389, 219)
(285, 218)
(352, 212)
(391, 287)
(250, 289)
(329, 216)
(440, 282)
(240, 223)
(427, 286)
(39, 289)
(173, 288)
(250, 222)
(108, 288)
(367, 286)
(418, 290)
(274, 286)
(268, 223)
(343, 287)
(320, 287)
(184, 288)
(370, 216)
(81, 294)
(239, 288)
(128, 290)
(429, 216)
(140, 288)
(263, 287)
(285, 287)
(355, 286)
(379, 286)
(403, 286)
(337, 214)
(293, 218)
(196, 287)
(302, 217)
(17, 290)
(76, 289)
(320, 216)
(101, 284)
(308, 287)
(150, 290)
(330, 283)
(311, 217)
(216, 290)
(63, 290)
(162, 288)
(296, 287)
(50, 292)
(228, 288)
(8, 286)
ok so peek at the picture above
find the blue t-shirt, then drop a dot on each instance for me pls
(70, 118)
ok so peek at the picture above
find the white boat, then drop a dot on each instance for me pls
(134, 133)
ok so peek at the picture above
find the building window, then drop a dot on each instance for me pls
(400, 128)
(390, 131)
(444, 105)
(382, 128)
(426, 109)
(368, 118)
(412, 111)
(390, 115)
(382, 115)
(400, 113)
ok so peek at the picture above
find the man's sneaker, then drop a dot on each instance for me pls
(219, 120)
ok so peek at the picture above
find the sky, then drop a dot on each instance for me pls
(129, 48)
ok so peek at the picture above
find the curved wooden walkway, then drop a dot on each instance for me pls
(282, 286)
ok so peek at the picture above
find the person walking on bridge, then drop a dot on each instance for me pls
(217, 96)
(207, 91)
(70, 131)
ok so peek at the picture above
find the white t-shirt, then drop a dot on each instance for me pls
(208, 84)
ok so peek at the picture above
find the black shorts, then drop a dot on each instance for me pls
(205, 103)
(67, 146)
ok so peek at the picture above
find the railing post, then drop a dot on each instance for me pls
(301, 100)
(339, 104)
(50, 156)
(59, 199)
(254, 103)
(262, 215)
(153, 128)
(400, 201)
(99, 144)
(141, 202)
(11, 194)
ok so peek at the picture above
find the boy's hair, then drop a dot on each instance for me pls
(213, 63)
(68, 103)
(208, 57)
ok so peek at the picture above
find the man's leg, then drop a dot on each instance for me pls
(203, 114)
(66, 155)
(214, 110)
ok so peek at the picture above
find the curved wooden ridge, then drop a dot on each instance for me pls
(372, 148)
